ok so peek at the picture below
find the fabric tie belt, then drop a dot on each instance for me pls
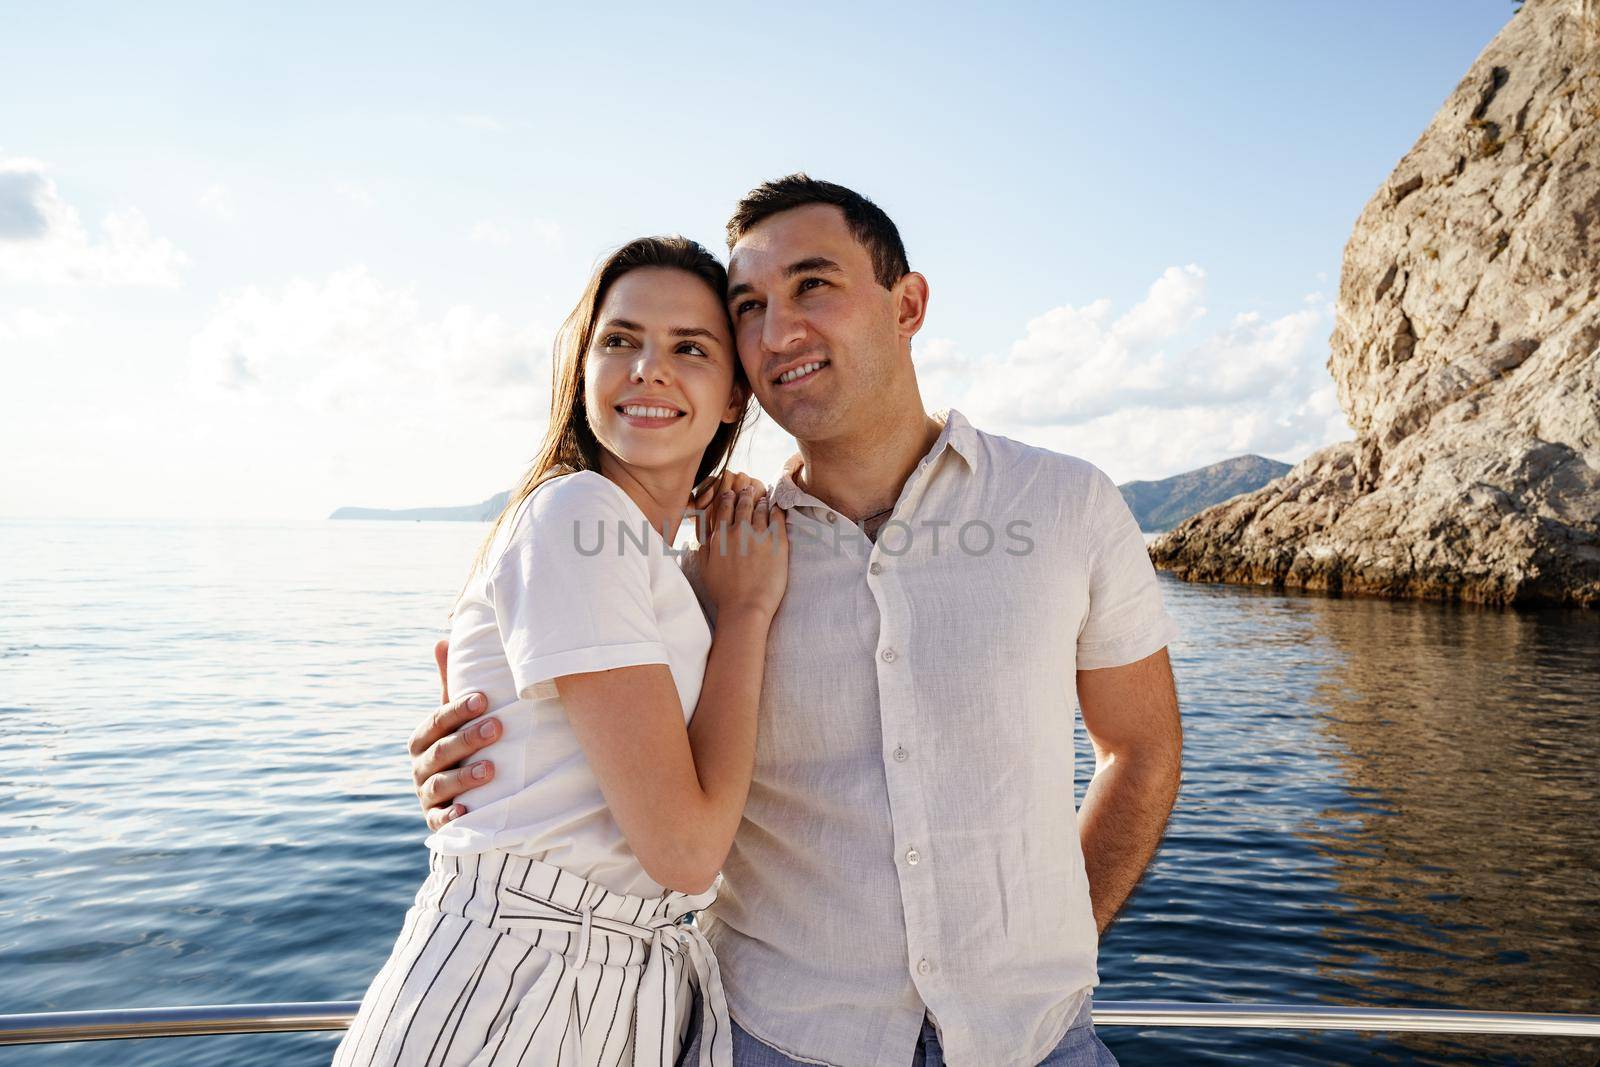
(669, 941)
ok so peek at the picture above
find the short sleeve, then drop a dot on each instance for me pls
(571, 592)
(1126, 620)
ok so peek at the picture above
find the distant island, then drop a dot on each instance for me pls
(484, 512)
(1159, 506)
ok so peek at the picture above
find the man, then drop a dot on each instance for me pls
(911, 883)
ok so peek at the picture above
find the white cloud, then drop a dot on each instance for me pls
(217, 202)
(360, 391)
(350, 346)
(1139, 393)
(502, 232)
(355, 192)
(25, 324)
(43, 239)
(1171, 305)
(489, 232)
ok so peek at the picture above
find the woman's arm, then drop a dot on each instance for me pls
(677, 795)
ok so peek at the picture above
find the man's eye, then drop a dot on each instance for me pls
(746, 305)
(809, 283)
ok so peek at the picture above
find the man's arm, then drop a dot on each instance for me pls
(439, 748)
(1131, 716)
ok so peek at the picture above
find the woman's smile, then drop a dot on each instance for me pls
(649, 415)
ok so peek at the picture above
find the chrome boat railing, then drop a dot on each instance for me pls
(46, 1027)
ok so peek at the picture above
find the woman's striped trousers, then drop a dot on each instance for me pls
(506, 961)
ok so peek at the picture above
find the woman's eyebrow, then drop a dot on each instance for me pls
(676, 331)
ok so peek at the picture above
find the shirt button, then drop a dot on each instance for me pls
(900, 754)
(923, 966)
(888, 655)
(913, 857)
(876, 567)
(832, 517)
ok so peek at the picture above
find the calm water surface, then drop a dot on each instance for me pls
(204, 797)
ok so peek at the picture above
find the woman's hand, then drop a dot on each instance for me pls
(744, 546)
(704, 502)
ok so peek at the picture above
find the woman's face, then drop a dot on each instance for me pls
(658, 374)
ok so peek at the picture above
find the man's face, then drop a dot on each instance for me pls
(815, 331)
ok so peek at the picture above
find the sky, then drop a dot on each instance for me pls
(261, 262)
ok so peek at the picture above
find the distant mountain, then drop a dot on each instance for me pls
(484, 512)
(1159, 506)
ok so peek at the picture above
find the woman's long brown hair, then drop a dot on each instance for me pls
(569, 444)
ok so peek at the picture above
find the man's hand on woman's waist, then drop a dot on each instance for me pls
(440, 749)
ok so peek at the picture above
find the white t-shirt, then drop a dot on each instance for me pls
(576, 581)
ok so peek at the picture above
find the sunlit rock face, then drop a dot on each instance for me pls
(1466, 352)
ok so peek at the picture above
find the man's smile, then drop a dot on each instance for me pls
(799, 373)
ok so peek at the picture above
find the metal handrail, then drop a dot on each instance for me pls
(46, 1027)
(1144, 1013)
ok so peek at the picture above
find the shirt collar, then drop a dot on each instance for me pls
(957, 435)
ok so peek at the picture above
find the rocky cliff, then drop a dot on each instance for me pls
(1466, 351)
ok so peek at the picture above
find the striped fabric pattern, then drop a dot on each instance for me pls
(506, 961)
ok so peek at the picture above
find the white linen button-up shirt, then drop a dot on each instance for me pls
(910, 843)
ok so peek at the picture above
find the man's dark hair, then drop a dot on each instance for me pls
(867, 222)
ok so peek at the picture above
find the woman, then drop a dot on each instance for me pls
(556, 925)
